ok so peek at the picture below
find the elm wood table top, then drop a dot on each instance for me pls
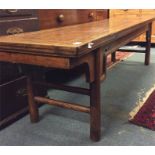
(72, 41)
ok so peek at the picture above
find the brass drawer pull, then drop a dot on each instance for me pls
(14, 30)
(21, 92)
(11, 10)
(60, 18)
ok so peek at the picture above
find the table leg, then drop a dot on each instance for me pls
(104, 64)
(95, 109)
(33, 109)
(148, 45)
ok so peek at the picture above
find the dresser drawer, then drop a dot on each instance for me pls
(56, 18)
(8, 71)
(115, 12)
(18, 26)
(13, 97)
(17, 12)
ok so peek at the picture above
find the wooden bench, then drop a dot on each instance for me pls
(71, 46)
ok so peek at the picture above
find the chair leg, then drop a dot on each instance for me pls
(33, 109)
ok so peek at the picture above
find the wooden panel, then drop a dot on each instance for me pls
(35, 60)
(18, 26)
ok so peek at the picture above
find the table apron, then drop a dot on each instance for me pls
(44, 61)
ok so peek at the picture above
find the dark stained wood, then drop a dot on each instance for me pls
(113, 57)
(18, 13)
(18, 25)
(13, 117)
(15, 106)
(95, 105)
(33, 108)
(83, 91)
(17, 92)
(148, 45)
(62, 104)
(128, 50)
(104, 64)
(32, 59)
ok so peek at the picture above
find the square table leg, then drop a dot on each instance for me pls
(33, 108)
(95, 106)
(148, 44)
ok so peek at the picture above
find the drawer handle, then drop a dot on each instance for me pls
(11, 10)
(106, 49)
(60, 18)
(21, 92)
(125, 9)
(91, 15)
(14, 30)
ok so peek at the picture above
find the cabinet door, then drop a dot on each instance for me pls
(18, 26)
